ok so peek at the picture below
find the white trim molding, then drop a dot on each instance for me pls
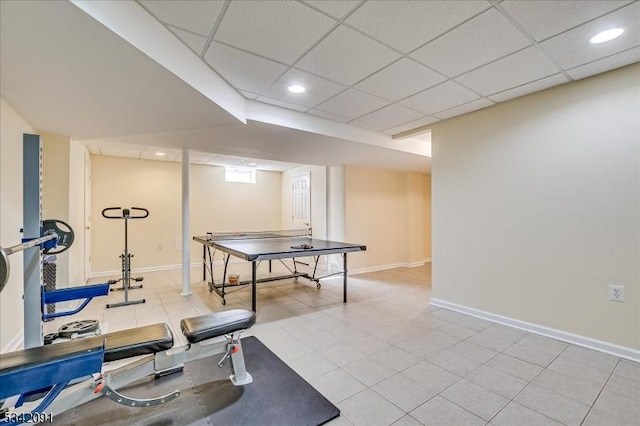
(575, 339)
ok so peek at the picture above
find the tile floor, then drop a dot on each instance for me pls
(388, 357)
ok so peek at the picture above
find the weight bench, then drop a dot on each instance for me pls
(70, 373)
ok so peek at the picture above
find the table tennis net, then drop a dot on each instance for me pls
(252, 235)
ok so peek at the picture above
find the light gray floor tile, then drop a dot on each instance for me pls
(403, 392)
(440, 412)
(624, 386)
(431, 376)
(367, 408)
(600, 418)
(478, 400)
(591, 358)
(529, 354)
(370, 344)
(628, 369)
(515, 414)
(578, 370)
(516, 367)
(369, 371)
(543, 343)
(407, 421)
(396, 358)
(473, 322)
(489, 341)
(337, 385)
(506, 333)
(551, 404)
(311, 365)
(473, 351)
(580, 390)
(339, 421)
(457, 330)
(428, 344)
(499, 382)
(453, 362)
(342, 354)
(446, 315)
(619, 407)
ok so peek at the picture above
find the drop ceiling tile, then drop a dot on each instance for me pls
(328, 115)
(411, 125)
(335, 8)
(572, 48)
(464, 109)
(191, 15)
(544, 19)
(399, 80)
(525, 89)
(477, 42)
(346, 57)
(352, 104)
(611, 62)
(406, 25)
(243, 70)
(200, 157)
(389, 116)
(248, 95)
(280, 103)
(281, 30)
(318, 89)
(444, 96)
(514, 70)
(193, 42)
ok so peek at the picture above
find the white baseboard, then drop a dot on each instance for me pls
(387, 266)
(587, 342)
(157, 268)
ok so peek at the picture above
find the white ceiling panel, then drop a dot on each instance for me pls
(525, 89)
(444, 96)
(328, 115)
(248, 95)
(193, 42)
(191, 15)
(282, 30)
(317, 89)
(411, 125)
(611, 62)
(281, 103)
(347, 57)
(389, 116)
(336, 8)
(399, 80)
(464, 109)
(483, 39)
(352, 103)
(406, 25)
(243, 70)
(572, 48)
(544, 19)
(514, 70)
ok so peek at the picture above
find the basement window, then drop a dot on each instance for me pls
(239, 174)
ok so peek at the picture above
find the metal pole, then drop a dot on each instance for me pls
(186, 254)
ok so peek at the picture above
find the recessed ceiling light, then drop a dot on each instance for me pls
(607, 35)
(296, 88)
(160, 154)
(252, 164)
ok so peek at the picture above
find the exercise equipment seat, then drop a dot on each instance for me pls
(203, 327)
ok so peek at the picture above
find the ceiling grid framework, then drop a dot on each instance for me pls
(388, 66)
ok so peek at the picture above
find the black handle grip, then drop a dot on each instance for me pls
(124, 213)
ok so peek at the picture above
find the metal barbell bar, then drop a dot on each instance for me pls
(5, 252)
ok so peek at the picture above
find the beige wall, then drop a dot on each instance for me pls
(536, 208)
(78, 157)
(427, 216)
(55, 193)
(385, 210)
(215, 205)
(12, 126)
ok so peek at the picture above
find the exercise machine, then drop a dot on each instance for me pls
(39, 383)
(126, 215)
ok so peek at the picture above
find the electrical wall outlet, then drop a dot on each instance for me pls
(616, 293)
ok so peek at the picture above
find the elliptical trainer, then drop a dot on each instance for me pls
(126, 278)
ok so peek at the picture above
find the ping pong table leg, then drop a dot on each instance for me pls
(204, 262)
(253, 286)
(344, 278)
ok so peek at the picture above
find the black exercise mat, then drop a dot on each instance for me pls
(277, 396)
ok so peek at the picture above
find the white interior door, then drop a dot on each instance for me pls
(301, 188)
(87, 218)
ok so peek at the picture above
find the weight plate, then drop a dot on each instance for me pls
(4, 269)
(63, 231)
(78, 327)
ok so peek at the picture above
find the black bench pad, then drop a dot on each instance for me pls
(203, 327)
(119, 345)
